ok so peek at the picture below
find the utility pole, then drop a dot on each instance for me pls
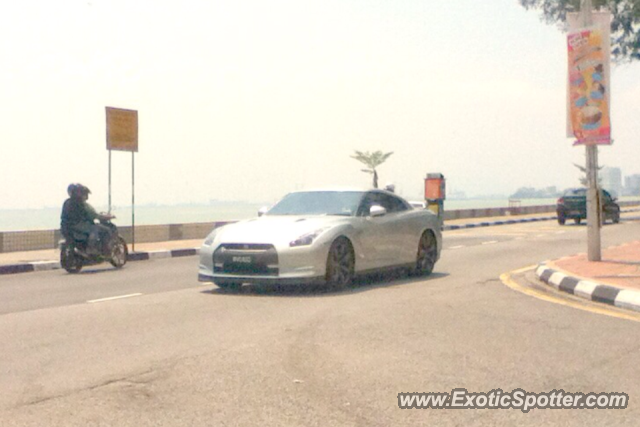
(593, 195)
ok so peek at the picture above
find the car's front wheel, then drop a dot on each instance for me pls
(427, 254)
(340, 264)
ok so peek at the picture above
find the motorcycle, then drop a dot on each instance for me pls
(74, 256)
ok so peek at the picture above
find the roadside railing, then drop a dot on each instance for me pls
(16, 241)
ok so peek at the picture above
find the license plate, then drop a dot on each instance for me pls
(242, 259)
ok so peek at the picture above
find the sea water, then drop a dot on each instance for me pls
(49, 217)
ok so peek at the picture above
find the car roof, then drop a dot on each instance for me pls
(575, 190)
(338, 189)
(345, 189)
(348, 189)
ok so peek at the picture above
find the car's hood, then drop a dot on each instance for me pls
(276, 229)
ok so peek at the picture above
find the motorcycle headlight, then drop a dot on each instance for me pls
(306, 239)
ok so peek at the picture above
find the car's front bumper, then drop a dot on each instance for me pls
(300, 265)
(266, 280)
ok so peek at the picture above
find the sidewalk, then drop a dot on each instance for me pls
(49, 259)
(615, 280)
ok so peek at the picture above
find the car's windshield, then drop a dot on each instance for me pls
(575, 192)
(318, 203)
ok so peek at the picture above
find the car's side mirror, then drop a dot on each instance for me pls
(263, 210)
(377, 210)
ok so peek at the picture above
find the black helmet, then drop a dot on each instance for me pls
(83, 190)
(77, 190)
(71, 189)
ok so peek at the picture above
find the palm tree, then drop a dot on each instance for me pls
(372, 161)
(584, 180)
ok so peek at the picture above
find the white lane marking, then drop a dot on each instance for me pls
(490, 242)
(112, 298)
(457, 247)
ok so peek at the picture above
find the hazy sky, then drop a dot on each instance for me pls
(250, 99)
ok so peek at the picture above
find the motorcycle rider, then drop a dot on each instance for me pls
(77, 221)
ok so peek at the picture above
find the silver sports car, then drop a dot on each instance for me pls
(325, 236)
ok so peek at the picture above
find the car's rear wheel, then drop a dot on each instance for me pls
(577, 220)
(615, 216)
(561, 220)
(340, 264)
(427, 254)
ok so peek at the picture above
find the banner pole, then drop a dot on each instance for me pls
(594, 252)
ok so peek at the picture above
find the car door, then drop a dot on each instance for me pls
(609, 207)
(376, 234)
(402, 239)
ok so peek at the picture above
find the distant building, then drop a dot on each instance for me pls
(611, 180)
(632, 185)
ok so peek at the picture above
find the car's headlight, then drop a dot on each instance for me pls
(307, 239)
(210, 238)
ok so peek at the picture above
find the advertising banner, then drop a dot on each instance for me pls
(589, 118)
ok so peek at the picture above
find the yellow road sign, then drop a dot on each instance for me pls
(122, 129)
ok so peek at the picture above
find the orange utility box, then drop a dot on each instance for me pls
(434, 187)
(435, 193)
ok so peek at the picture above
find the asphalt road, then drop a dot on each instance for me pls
(173, 352)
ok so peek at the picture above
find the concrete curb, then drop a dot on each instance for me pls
(502, 222)
(29, 267)
(593, 291)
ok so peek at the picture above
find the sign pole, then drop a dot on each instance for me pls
(122, 134)
(109, 182)
(133, 203)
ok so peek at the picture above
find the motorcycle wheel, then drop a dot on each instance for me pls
(69, 261)
(119, 253)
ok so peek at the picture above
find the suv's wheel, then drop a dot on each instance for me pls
(577, 220)
(561, 220)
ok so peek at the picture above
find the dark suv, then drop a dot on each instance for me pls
(573, 205)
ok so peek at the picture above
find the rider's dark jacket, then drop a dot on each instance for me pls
(78, 216)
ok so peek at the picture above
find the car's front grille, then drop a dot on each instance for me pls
(246, 247)
(246, 259)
